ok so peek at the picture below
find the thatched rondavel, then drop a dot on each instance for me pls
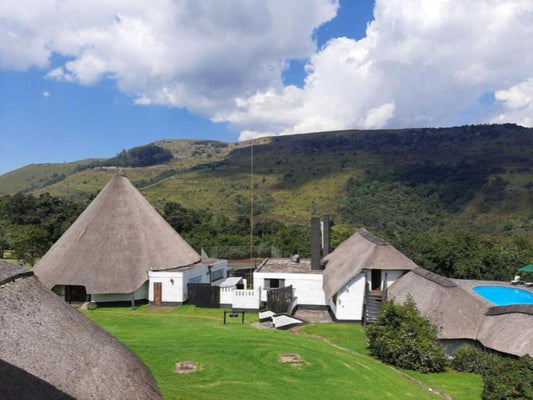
(113, 243)
(48, 350)
(360, 251)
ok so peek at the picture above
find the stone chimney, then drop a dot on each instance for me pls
(315, 243)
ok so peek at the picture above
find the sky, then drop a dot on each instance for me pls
(82, 79)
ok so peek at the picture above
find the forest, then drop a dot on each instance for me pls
(29, 225)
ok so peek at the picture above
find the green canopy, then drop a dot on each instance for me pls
(527, 268)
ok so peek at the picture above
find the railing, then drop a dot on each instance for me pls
(365, 301)
(384, 291)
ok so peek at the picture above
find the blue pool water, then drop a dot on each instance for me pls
(503, 296)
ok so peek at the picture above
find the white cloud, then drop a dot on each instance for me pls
(195, 54)
(517, 104)
(46, 93)
(422, 62)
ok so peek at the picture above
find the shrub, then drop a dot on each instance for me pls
(403, 337)
(471, 359)
(511, 379)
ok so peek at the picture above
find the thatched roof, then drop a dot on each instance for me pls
(360, 251)
(49, 350)
(456, 313)
(459, 313)
(509, 333)
(113, 243)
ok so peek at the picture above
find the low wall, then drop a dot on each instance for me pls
(245, 299)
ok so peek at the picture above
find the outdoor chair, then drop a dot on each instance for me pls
(515, 280)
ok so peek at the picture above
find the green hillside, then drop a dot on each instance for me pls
(458, 201)
(298, 175)
(35, 176)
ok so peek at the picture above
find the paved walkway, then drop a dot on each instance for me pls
(313, 315)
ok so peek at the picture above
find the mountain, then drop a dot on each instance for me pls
(442, 177)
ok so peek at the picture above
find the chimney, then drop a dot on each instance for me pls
(315, 243)
(325, 234)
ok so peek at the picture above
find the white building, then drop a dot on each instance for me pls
(343, 282)
(169, 287)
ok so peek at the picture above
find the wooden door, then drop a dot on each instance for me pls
(157, 293)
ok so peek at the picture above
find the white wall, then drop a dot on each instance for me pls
(307, 287)
(392, 275)
(174, 283)
(226, 294)
(350, 299)
(140, 294)
(245, 299)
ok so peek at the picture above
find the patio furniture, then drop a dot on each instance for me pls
(515, 280)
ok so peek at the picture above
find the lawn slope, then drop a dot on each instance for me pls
(241, 361)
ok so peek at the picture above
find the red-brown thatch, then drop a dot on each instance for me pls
(360, 251)
(458, 313)
(113, 243)
(48, 350)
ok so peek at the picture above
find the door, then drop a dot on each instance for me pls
(157, 293)
(376, 279)
(75, 294)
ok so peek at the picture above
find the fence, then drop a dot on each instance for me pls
(204, 295)
(279, 300)
(240, 299)
(246, 299)
(243, 252)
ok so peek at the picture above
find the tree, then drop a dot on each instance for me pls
(4, 240)
(30, 243)
(405, 338)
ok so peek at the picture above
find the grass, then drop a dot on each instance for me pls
(241, 361)
(459, 385)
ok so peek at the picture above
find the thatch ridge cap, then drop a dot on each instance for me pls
(370, 237)
(10, 272)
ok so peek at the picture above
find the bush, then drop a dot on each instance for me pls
(511, 379)
(404, 338)
(471, 359)
(503, 378)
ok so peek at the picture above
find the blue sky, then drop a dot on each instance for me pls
(75, 122)
(80, 81)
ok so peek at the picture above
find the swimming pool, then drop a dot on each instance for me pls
(503, 296)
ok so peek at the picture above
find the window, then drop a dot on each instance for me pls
(274, 283)
(216, 275)
(196, 279)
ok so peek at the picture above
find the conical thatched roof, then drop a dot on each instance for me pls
(460, 314)
(48, 350)
(360, 251)
(113, 243)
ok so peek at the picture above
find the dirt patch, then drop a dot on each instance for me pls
(290, 358)
(264, 325)
(184, 367)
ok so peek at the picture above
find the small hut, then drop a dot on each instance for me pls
(361, 264)
(107, 252)
(48, 350)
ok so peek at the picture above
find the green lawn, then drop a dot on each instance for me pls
(241, 361)
(459, 385)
